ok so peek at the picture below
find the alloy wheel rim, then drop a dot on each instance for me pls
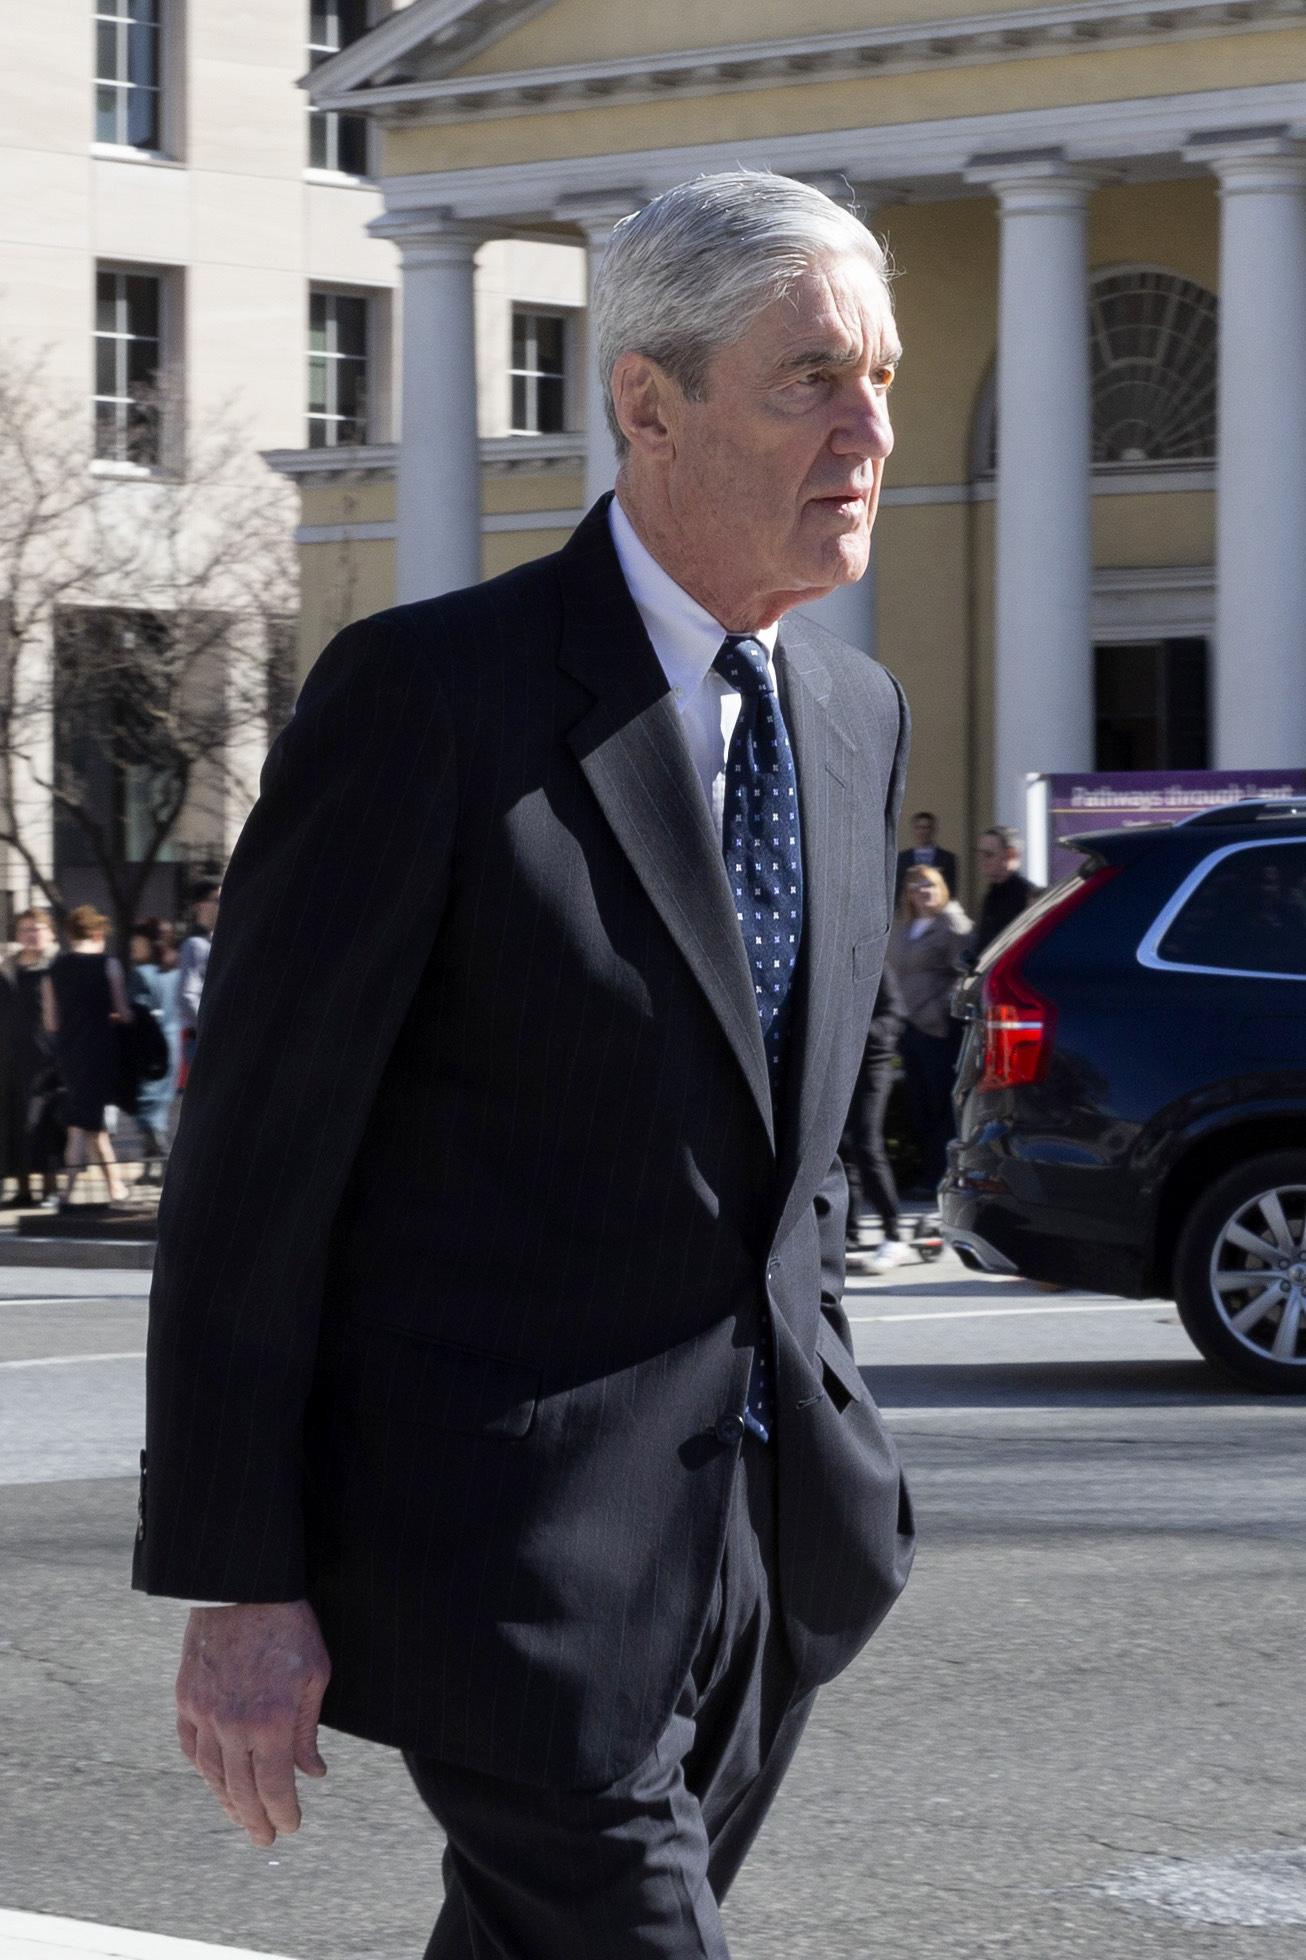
(1258, 1274)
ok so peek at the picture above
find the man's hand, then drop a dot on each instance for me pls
(248, 1697)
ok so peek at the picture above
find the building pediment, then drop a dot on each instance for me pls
(422, 42)
(452, 60)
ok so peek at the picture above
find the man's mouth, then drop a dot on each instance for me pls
(842, 499)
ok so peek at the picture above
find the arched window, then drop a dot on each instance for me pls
(1152, 344)
(1152, 347)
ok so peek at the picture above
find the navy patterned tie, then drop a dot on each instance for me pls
(764, 862)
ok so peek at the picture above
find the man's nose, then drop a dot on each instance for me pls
(862, 426)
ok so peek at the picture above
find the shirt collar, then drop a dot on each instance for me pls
(686, 638)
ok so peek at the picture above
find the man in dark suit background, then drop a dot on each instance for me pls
(926, 849)
(1008, 892)
(498, 1372)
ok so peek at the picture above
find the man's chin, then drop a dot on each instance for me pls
(843, 560)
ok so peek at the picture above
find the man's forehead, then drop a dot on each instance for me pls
(842, 307)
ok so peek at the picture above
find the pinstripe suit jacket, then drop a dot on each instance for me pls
(478, 1195)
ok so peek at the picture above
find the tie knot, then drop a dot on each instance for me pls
(742, 662)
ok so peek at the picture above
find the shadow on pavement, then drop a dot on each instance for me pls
(1061, 1384)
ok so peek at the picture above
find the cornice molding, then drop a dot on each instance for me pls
(928, 159)
(377, 462)
(362, 462)
(493, 523)
(564, 455)
(1108, 480)
(728, 69)
(560, 455)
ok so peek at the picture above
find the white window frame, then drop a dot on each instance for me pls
(170, 88)
(542, 310)
(320, 290)
(330, 119)
(1148, 950)
(169, 281)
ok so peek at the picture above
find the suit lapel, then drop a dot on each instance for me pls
(634, 755)
(823, 754)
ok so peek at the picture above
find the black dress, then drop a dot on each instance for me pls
(35, 1083)
(85, 1046)
(11, 1122)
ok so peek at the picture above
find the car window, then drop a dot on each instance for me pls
(1248, 915)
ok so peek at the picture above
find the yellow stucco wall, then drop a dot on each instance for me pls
(349, 578)
(922, 605)
(340, 583)
(1173, 224)
(347, 503)
(602, 30)
(945, 298)
(502, 494)
(1165, 528)
(992, 88)
(502, 550)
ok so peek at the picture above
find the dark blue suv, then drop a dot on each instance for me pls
(1131, 1089)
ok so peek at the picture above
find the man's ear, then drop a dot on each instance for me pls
(648, 406)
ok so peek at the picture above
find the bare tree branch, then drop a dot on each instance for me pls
(140, 615)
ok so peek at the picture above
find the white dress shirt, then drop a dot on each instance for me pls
(686, 640)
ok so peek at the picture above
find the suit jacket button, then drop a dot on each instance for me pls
(730, 1429)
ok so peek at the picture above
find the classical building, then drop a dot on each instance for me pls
(1092, 546)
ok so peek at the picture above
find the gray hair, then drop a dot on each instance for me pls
(691, 272)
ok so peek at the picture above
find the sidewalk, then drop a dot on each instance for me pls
(36, 1936)
(119, 1245)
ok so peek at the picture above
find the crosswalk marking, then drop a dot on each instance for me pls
(71, 1360)
(39, 1936)
(1008, 1313)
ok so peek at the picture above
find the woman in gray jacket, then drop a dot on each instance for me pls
(924, 952)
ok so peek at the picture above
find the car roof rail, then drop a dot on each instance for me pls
(1251, 809)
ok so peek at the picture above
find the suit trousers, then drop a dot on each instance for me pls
(638, 1869)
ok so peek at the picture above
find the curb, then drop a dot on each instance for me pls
(133, 1255)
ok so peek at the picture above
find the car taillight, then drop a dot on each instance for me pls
(1019, 1024)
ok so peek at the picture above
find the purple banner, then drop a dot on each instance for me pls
(1067, 806)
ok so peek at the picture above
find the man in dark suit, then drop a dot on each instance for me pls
(1008, 892)
(926, 849)
(497, 1368)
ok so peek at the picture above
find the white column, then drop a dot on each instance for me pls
(1260, 550)
(597, 217)
(1043, 706)
(438, 491)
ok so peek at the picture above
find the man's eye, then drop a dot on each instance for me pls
(884, 377)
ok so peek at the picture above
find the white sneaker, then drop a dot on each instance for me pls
(888, 1254)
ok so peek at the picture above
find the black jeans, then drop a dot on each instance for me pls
(636, 1871)
(929, 1065)
(864, 1142)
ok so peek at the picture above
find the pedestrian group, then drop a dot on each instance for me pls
(85, 1038)
(914, 1039)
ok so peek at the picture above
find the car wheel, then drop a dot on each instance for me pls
(1240, 1272)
